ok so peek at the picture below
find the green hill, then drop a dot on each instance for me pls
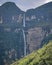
(42, 56)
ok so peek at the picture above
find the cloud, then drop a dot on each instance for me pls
(48, 1)
(0, 4)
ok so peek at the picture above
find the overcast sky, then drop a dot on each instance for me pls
(26, 4)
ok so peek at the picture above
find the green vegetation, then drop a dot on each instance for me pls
(42, 56)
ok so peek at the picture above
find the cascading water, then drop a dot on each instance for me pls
(24, 35)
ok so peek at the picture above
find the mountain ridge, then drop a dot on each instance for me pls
(28, 9)
(6, 3)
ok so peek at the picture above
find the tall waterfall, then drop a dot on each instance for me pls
(1, 21)
(24, 35)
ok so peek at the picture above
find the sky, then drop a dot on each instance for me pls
(26, 4)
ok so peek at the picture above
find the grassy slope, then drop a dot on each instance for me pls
(42, 56)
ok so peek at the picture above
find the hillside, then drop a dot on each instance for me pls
(42, 56)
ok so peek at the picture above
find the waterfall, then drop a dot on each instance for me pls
(24, 35)
(1, 21)
(24, 20)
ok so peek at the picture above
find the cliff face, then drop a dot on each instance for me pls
(10, 33)
(38, 26)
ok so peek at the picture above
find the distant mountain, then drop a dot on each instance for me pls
(38, 27)
(42, 56)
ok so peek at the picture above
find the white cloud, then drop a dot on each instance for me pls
(48, 1)
(0, 4)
